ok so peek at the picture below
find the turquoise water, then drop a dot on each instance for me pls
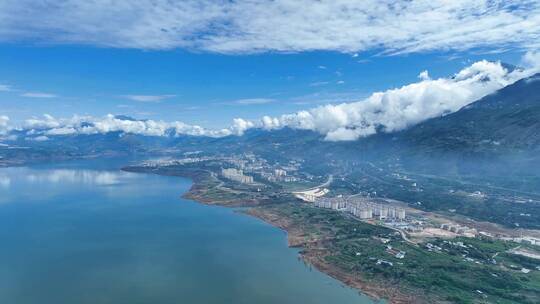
(89, 233)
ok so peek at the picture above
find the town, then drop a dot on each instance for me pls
(354, 226)
(288, 178)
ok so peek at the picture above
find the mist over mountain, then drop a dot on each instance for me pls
(506, 122)
(491, 144)
(388, 111)
(508, 119)
(502, 124)
(397, 109)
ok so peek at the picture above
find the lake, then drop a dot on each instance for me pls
(86, 232)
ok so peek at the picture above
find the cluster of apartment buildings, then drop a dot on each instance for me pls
(525, 240)
(237, 175)
(361, 208)
(251, 164)
(278, 175)
(458, 229)
(176, 162)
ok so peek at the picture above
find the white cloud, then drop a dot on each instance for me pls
(270, 122)
(399, 108)
(241, 125)
(61, 131)
(50, 126)
(5, 88)
(253, 101)
(424, 75)
(257, 26)
(531, 60)
(47, 122)
(388, 111)
(38, 95)
(148, 98)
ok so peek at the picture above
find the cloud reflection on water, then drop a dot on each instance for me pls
(5, 181)
(76, 176)
(10, 176)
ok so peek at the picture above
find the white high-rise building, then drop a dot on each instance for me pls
(391, 213)
(383, 214)
(237, 175)
(280, 172)
(366, 213)
(400, 214)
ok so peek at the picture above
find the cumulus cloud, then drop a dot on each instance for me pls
(38, 95)
(281, 25)
(47, 122)
(148, 98)
(50, 126)
(241, 125)
(399, 108)
(424, 75)
(387, 111)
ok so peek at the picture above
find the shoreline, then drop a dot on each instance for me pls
(377, 291)
(315, 258)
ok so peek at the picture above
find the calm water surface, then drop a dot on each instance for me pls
(88, 233)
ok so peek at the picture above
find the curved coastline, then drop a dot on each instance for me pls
(378, 292)
(121, 222)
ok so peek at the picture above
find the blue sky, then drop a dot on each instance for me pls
(203, 88)
(207, 62)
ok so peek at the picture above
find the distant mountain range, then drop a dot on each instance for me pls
(504, 123)
(490, 145)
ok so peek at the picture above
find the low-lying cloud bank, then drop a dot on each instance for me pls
(397, 109)
(42, 128)
(388, 111)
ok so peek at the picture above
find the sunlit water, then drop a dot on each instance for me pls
(76, 234)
